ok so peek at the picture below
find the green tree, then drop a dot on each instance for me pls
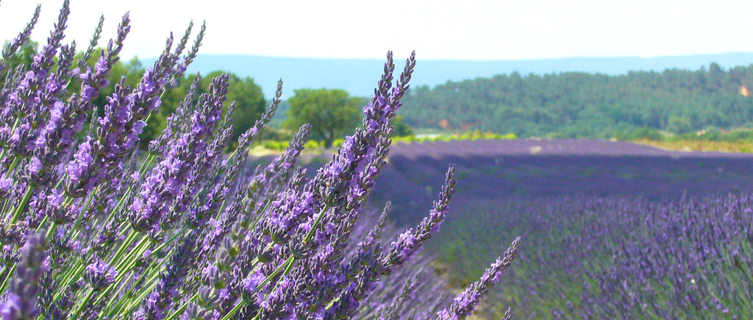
(331, 113)
(400, 128)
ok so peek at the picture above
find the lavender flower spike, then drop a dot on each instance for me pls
(508, 314)
(20, 302)
(465, 302)
(22, 37)
(410, 240)
(165, 183)
(92, 43)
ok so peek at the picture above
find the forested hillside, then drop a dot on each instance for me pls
(636, 104)
(356, 75)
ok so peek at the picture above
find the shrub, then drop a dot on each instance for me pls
(275, 145)
(311, 144)
(94, 228)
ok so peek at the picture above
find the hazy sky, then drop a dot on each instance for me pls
(436, 29)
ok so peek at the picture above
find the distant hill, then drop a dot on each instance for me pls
(359, 76)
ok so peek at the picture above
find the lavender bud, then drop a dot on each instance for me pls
(99, 274)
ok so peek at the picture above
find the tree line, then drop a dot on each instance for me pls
(574, 104)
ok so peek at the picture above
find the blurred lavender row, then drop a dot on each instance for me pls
(651, 236)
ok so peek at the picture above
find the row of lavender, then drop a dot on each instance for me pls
(646, 234)
(93, 228)
(590, 257)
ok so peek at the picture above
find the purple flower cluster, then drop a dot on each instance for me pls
(163, 188)
(99, 274)
(94, 228)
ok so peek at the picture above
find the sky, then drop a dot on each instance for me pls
(436, 29)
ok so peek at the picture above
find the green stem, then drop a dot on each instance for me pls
(243, 303)
(78, 268)
(22, 205)
(288, 264)
(41, 224)
(108, 311)
(7, 277)
(152, 266)
(13, 129)
(154, 270)
(287, 269)
(259, 215)
(127, 193)
(182, 308)
(135, 303)
(234, 310)
(130, 258)
(50, 230)
(316, 224)
(123, 246)
(86, 205)
(68, 278)
(82, 304)
(12, 165)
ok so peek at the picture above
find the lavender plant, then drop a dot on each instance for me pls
(95, 228)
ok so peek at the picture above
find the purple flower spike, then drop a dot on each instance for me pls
(22, 37)
(20, 302)
(165, 183)
(99, 274)
(468, 300)
(408, 241)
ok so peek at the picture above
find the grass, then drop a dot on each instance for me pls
(268, 147)
(700, 145)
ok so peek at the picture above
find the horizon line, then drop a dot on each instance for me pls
(472, 60)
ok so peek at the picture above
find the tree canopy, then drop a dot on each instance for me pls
(588, 105)
(331, 113)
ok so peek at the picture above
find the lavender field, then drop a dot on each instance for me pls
(99, 222)
(609, 229)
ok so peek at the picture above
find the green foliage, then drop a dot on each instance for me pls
(573, 105)
(23, 56)
(280, 115)
(339, 112)
(281, 144)
(470, 135)
(400, 128)
(625, 134)
(711, 134)
(275, 145)
(311, 144)
(330, 112)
